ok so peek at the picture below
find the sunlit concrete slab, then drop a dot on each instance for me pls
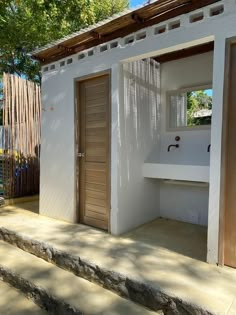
(169, 255)
(85, 296)
(12, 302)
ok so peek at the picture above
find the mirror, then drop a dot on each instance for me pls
(190, 107)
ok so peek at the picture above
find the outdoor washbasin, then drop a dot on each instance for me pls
(193, 173)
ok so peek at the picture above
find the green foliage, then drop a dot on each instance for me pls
(28, 24)
(196, 101)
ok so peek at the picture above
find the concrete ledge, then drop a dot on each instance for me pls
(38, 295)
(138, 292)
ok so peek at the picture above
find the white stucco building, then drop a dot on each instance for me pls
(113, 103)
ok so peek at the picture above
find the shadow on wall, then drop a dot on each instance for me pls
(139, 131)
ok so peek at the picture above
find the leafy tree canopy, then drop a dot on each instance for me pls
(28, 24)
(197, 101)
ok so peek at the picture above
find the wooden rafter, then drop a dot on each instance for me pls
(187, 52)
(149, 15)
(137, 18)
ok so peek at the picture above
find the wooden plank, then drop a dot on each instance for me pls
(96, 125)
(96, 202)
(230, 168)
(96, 194)
(101, 108)
(96, 215)
(96, 222)
(183, 53)
(95, 139)
(96, 187)
(96, 166)
(95, 180)
(96, 117)
(99, 176)
(96, 131)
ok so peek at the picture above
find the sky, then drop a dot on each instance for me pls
(134, 3)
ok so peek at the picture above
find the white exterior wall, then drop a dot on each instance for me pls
(57, 178)
(57, 196)
(57, 171)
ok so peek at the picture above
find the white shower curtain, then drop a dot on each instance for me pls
(142, 89)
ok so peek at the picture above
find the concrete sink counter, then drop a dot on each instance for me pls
(193, 173)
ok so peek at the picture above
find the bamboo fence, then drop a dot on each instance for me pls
(21, 137)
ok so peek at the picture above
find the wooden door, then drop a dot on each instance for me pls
(230, 167)
(94, 151)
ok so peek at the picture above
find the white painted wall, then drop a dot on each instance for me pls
(57, 177)
(216, 147)
(57, 174)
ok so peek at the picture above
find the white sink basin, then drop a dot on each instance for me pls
(194, 173)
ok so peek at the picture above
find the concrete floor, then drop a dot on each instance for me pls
(13, 302)
(168, 254)
(182, 238)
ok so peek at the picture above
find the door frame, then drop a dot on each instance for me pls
(77, 82)
(229, 43)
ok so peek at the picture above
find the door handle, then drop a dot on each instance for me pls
(81, 155)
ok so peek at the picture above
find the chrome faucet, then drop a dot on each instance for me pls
(209, 148)
(172, 145)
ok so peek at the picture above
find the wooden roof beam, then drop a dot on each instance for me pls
(186, 52)
(40, 59)
(65, 48)
(137, 18)
(96, 34)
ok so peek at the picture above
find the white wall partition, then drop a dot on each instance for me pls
(139, 131)
(216, 147)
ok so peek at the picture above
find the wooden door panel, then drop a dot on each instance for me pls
(230, 171)
(96, 124)
(96, 109)
(99, 102)
(96, 187)
(96, 201)
(96, 194)
(95, 180)
(97, 132)
(99, 117)
(95, 209)
(100, 177)
(94, 167)
(97, 139)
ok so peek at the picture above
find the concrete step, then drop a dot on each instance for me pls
(59, 291)
(136, 290)
(12, 302)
